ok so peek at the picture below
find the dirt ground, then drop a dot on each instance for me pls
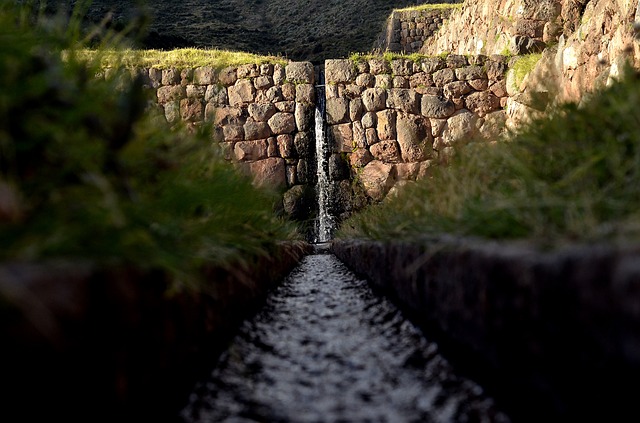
(299, 30)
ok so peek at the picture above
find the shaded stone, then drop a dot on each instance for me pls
(337, 110)
(403, 99)
(303, 142)
(304, 115)
(352, 91)
(495, 69)
(228, 76)
(266, 69)
(303, 171)
(223, 115)
(172, 111)
(269, 173)
(274, 94)
(248, 151)
(261, 112)
(272, 147)
(339, 70)
(414, 137)
(282, 123)
(386, 124)
(408, 171)
(300, 72)
(359, 137)
(247, 71)
(479, 84)
(432, 64)
(402, 67)
(436, 107)
(170, 76)
(421, 79)
(377, 178)
(338, 168)
(494, 125)
(291, 170)
(342, 138)
(372, 136)
(374, 99)
(298, 202)
(386, 151)
(195, 91)
(191, 110)
(256, 130)
(171, 93)
(286, 147)
(443, 77)
(233, 132)
(456, 61)
(470, 72)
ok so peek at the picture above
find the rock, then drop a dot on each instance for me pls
(437, 107)
(384, 81)
(228, 76)
(247, 71)
(263, 82)
(482, 102)
(191, 110)
(432, 64)
(171, 93)
(223, 115)
(304, 115)
(366, 80)
(339, 71)
(377, 178)
(372, 136)
(470, 72)
(170, 77)
(443, 77)
(414, 137)
(217, 95)
(386, 151)
(195, 91)
(461, 128)
(261, 112)
(249, 151)
(300, 73)
(242, 92)
(256, 130)
(269, 173)
(305, 93)
(282, 123)
(338, 168)
(337, 110)
(342, 138)
(298, 201)
(374, 99)
(408, 171)
(172, 111)
(204, 76)
(403, 99)
(286, 147)
(379, 66)
(420, 79)
(359, 137)
(356, 108)
(456, 89)
(233, 132)
(360, 157)
(369, 120)
(303, 143)
(386, 124)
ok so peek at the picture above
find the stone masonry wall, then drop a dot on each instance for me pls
(407, 30)
(390, 122)
(262, 116)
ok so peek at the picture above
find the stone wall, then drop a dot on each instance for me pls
(407, 30)
(262, 117)
(585, 41)
(390, 122)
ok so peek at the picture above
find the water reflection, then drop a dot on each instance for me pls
(326, 349)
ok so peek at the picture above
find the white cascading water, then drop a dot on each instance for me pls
(324, 225)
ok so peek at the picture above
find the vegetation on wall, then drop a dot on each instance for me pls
(574, 175)
(88, 171)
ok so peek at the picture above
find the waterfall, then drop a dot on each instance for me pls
(324, 223)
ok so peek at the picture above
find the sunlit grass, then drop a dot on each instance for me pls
(435, 6)
(178, 58)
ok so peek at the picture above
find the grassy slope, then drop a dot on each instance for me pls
(300, 30)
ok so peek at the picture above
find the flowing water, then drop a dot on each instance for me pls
(324, 226)
(325, 348)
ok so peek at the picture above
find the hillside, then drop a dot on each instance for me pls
(300, 30)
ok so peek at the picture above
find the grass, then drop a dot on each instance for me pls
(87, 172)
(573, 176)
(522, 66)
(178, 58)
(436, 6)
(387, 56)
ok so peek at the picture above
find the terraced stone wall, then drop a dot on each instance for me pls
(391, 122)
(262, 116)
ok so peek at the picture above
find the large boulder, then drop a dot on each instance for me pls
(377, 178)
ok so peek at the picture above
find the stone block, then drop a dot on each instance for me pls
(256, 130)
(482, 102)
(386, 151)
(414, 137)
(282, 123)
(269, 173)
(286, 147)
(247, 71)
(342, 135)
(437, 107)
(386, 126)
(374, 99)
(233, 132)
(170, 93)
(443, 77)
(377, 178)
(192, 110)
(339, 70)
(300, 72)
(305, 93)
(379, 66)
(337, 110)
(304, 115)
(204, 76)
(403, 99)
(242, 92)
(248, 151)
(216, 94)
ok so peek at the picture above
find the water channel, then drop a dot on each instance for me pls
(325, 348)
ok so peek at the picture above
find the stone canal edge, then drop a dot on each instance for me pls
(554, 334)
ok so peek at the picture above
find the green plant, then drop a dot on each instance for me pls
(87, 172)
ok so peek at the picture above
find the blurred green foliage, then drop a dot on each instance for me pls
(89, 171)
(571, 176)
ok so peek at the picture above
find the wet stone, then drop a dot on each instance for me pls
(325, 348)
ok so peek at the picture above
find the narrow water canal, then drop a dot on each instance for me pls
(325, 348)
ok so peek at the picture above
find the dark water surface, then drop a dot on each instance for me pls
(325, 348)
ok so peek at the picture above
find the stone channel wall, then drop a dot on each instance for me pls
(407, 30)
(390, 122)
(555, 334)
